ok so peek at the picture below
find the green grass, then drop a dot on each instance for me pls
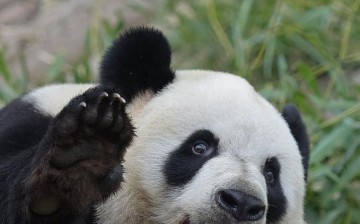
(299, 52)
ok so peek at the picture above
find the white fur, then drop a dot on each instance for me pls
(250, 131)
(51, 99)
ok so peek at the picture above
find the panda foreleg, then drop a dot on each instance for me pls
(78, 162)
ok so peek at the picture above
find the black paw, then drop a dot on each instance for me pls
(82, 153)
(93, 124)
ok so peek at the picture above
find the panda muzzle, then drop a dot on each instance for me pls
(243, 207)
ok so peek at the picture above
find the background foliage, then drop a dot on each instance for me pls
(301, 52)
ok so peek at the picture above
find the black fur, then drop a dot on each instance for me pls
(182, 164)
(276, 198)
(72, 166)
(139, 60)
(298, 130)
(21, 125)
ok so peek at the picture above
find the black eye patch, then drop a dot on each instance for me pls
(276, 198)
(183, 163)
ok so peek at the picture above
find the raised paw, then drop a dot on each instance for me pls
(91, 125)
(83, 151)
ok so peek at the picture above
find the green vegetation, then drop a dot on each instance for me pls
(300, 52)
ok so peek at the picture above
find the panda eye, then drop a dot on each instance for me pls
(270, 177)
(271, 170)
(200, 148)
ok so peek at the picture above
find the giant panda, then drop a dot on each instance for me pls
(151, 145)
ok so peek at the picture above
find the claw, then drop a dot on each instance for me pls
(117, 97)
(82, 105)
(104, 94)
(123, 100)
(102, 97)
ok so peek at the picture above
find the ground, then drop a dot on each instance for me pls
(43, 29)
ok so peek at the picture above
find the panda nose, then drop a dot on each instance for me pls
(242, 206)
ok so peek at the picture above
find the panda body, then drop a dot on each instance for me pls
(207, 149)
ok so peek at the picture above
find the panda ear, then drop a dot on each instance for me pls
(137, 61)
(298, 130)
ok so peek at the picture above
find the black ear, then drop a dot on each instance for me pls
(298, 130)
(138, 60)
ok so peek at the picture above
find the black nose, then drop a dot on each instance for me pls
(241, 206)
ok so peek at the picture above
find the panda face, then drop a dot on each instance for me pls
(209, 149)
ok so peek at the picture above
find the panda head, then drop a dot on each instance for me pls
(209, 148)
